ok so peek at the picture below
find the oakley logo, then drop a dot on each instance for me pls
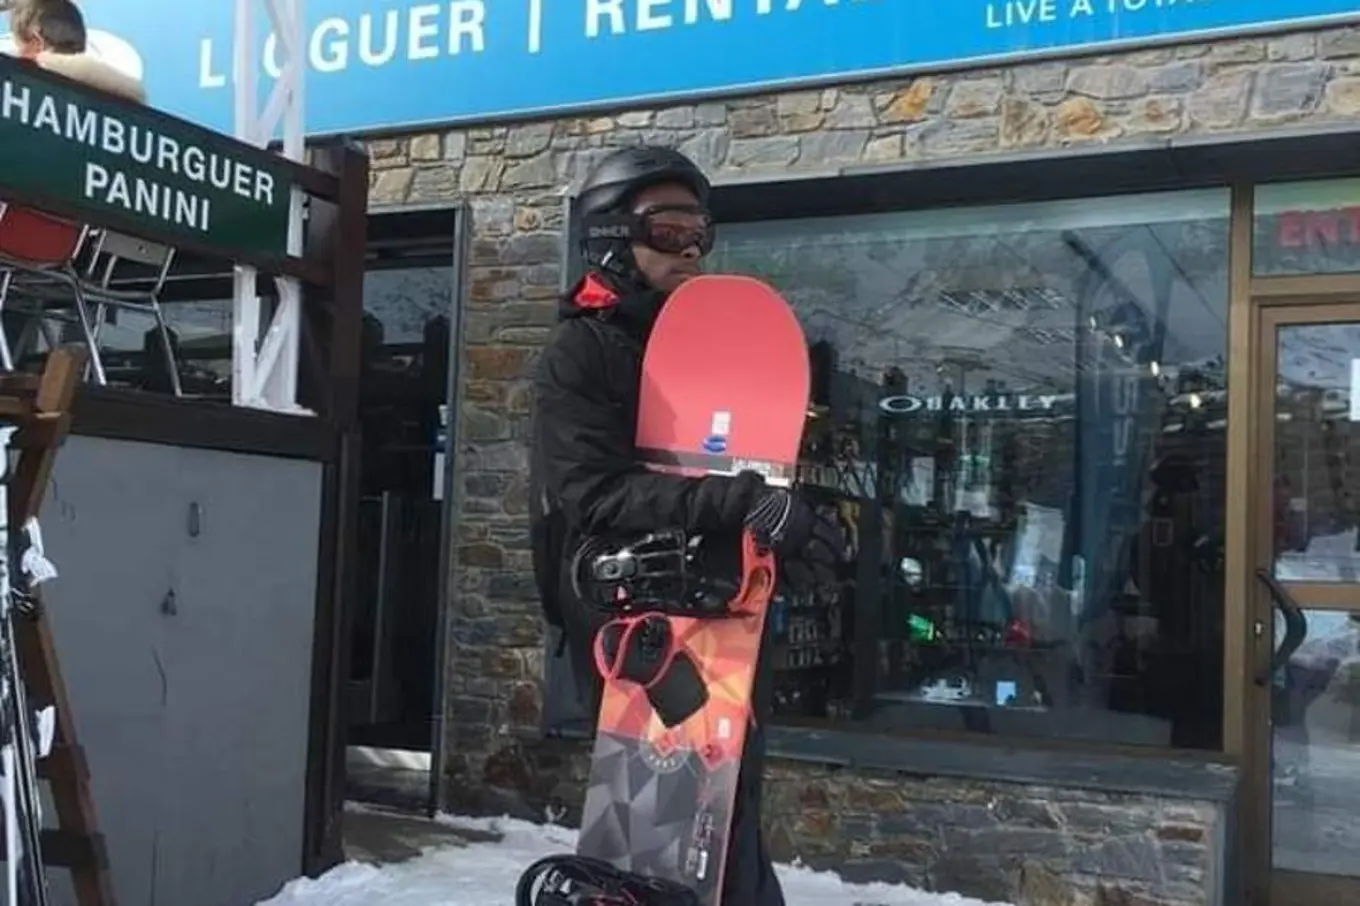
(617, 231)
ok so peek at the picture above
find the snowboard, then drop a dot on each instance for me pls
(725, 388)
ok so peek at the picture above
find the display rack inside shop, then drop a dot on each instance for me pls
(928, 607)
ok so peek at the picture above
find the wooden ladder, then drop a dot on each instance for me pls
(40, 407)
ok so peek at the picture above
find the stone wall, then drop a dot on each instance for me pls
(514, 178)
(1002, 843)
(998, 842)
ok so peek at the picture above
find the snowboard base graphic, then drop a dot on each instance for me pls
(725, 385)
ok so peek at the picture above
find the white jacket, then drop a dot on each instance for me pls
(88, 70)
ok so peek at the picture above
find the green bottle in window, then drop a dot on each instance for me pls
(919, 629)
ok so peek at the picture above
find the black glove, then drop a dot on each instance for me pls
(809, 545)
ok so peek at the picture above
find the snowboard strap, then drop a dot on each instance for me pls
(645, 650)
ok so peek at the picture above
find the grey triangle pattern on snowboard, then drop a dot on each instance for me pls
(644, 813)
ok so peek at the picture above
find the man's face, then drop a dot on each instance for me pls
(670, 211)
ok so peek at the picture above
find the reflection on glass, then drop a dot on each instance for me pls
(1307, 228)
(1315, 714)
(130, 349)
(403, 417)
(405, 362)
(1317, 453)
(1019, 419)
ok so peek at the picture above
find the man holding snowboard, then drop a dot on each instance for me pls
(643, 218)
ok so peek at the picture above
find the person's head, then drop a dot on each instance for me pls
(54, 26)
(643, 217)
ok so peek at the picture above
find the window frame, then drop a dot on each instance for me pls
(1175, 163)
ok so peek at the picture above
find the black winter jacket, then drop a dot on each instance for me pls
(585, 478)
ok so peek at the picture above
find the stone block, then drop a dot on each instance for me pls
(835, 147)
(974, 97)
(1339, 43)
(1041, 886)
(426, 148)
(390, 186)
(949, 138)
(1078, 118)
(1288, 90)
(708, 148)
(1238, 51)
(850, 111)
(1343, 96)
(798, 103)
(1108, 82)
(1135, 858)
(489, 556)
(1044, 82)
(776, 151)
(753, 122)
(1177, 77)
(1221, 102)
(972, 873)
(1153, 115)
(1291, 48)
(909, 105)
(675, 118)
(1024, 123)
(482, 173)
(497, 362)
(535, 172)
(455, 146)
(711, 113)
(528, 140)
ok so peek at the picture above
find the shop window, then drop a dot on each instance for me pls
(1019, 418)
(403, 415)
(1307, 228)
(202, 332)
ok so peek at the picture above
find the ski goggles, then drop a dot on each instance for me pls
(670, 229)
(675, 228)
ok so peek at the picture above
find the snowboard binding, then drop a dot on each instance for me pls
(645, 650)
(659, 572)
(642, 645)
(580, 881)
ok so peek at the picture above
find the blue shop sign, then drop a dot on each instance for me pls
(376, 65)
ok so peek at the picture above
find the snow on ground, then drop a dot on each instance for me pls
(485, 874)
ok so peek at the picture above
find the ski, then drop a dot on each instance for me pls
(26, 879)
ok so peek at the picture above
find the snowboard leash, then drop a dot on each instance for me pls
(568, 880)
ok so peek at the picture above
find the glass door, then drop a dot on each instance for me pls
(1306, 618)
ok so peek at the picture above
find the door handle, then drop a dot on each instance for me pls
(1295, 626)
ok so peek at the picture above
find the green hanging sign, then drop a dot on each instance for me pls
(112, 161)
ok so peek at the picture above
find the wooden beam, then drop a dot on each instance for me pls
(43, 422)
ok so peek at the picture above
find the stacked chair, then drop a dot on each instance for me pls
(55, 272)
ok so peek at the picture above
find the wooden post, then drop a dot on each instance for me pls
(338, 234)
(41, 409)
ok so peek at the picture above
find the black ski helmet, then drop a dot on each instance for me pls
(609, 188)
